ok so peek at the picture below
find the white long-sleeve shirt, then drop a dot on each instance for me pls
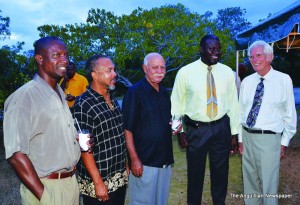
(277, 112)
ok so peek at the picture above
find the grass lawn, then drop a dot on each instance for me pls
(178, 191)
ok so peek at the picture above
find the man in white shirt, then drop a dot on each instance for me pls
(267, 123)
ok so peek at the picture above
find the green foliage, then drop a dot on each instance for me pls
(171, 30)
(4, 27)
(12, 75)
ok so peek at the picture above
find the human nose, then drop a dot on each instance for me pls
(64, 59)
(114, 73)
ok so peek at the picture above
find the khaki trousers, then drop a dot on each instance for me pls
(261, 163)
(56, 192)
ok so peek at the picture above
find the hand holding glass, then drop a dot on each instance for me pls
(84, 137)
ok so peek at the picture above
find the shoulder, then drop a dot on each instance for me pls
(80, 77)
(22, 94)
(190, 66)
(281, 75)
(84, 100)
(225, 68)
(136, 87)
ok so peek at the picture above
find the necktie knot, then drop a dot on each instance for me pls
(209, 68)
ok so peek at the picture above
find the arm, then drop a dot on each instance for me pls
(233, 103)
(136, 164)
(178, 96)
(27, 174)
(90, 164)
(289, 115)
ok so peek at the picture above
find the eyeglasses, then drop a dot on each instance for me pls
(256, 56)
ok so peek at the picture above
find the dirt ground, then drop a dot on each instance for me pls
(289, 177)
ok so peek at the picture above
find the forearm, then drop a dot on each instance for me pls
(90, 164)
(130, 145)
(27, 174)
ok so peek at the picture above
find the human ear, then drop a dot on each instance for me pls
(39, 59)
(145, 68)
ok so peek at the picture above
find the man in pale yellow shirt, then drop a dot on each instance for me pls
(73, 84)
(205, 94)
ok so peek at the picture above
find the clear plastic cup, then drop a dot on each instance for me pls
(176, 122)
(84, 137)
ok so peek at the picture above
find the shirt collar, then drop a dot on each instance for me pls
(96, 94)
(46, 87)
(267, 76)
(148, 86)
(205, 66)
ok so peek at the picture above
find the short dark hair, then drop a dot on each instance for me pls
(91, 64)
(206, 37)
(42, 44)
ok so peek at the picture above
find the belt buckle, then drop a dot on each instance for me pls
(165, 166)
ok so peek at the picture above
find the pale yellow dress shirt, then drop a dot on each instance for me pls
(189, 93)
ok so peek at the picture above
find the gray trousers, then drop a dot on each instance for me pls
(261, 162)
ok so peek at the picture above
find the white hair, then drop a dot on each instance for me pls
(268, 50)
(149, 56)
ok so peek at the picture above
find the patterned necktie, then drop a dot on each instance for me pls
(212, 108)
(259, 93)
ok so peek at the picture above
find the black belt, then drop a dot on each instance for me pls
(196, 124)
(258, 131)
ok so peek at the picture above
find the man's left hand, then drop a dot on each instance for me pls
(282, 151)
(234, 144)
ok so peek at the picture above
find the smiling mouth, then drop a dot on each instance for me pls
(62, 68)
(215, 57)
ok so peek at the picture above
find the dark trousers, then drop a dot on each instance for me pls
(115, 198)
(212, 139)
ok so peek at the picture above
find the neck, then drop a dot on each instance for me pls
(154, 85)
(264, 72)
(101, 90)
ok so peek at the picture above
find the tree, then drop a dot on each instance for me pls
(233, 20)
(4, 27)
(13, 73)
(14, 67)
(172, 30)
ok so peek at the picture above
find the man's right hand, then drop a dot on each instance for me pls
(23, 167)
(70, 97)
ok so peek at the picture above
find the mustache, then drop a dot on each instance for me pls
(159, 75)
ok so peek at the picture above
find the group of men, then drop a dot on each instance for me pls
(136, 143)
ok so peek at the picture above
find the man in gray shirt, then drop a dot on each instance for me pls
(39, 133)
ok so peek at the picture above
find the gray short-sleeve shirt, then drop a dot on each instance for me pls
(39, 124)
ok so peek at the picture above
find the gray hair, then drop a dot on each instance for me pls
(146, 59)
(268, 50)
